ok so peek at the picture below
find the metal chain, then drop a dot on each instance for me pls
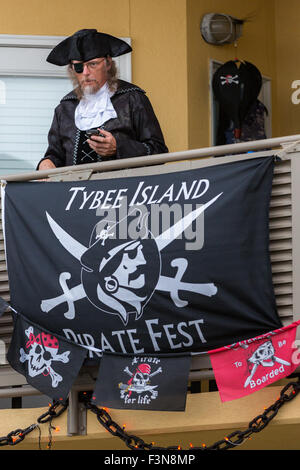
(236, 438)
(52, 413)
(17, 436)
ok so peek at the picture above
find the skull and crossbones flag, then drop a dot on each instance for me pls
(50, 364)
(179, 262)
(168, 264)
(143, 382)
(247, 366)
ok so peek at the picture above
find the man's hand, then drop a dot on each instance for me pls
(105, 146)
(46, 164)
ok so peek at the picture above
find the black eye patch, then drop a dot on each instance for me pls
(78, 67)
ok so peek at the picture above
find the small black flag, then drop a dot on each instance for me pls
(49, 364)
(146, 382)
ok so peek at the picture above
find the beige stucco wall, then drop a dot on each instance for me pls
(63, 17)
(158, 29)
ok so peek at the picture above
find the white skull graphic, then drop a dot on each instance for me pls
(141, 378)
(43, 351)
(264, 352)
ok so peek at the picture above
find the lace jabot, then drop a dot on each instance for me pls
(95, 109)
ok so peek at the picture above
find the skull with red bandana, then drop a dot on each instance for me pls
(42, 352)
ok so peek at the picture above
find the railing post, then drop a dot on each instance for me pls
(76, 423)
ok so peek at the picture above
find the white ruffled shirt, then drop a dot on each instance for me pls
(95, 109)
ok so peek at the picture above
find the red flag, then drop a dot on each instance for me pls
(247, 366)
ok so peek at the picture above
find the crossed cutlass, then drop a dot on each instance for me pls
(166, 284)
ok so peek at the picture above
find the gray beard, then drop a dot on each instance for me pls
(89, 90)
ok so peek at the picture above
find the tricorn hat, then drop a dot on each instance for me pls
(85, 45)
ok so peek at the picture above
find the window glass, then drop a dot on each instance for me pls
(26, 111)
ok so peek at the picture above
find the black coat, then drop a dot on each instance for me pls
(136, 129)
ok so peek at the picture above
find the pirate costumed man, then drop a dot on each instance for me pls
(120, 111)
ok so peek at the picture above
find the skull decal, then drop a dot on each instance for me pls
(264, 353)
(42, 352)
(140, 381)
(141, 377)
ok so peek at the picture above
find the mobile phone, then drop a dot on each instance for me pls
(95, 131)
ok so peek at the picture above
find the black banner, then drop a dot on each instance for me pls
(142, 382)
(155, 264)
